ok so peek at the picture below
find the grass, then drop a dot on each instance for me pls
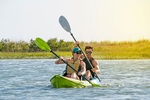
(38, 55)
(97, 55)
(102, 50)
(122, 55)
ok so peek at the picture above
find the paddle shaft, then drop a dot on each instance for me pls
(69, 65)
(85, 56)
(65, 25)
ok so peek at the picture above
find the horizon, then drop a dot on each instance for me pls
(79, 41)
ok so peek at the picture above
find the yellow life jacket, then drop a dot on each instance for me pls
(75, 65)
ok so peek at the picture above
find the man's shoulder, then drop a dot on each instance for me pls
(94, 60)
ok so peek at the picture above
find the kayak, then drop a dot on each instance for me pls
(59, 81)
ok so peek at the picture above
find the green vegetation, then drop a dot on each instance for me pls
(102, 50)
(37, 55)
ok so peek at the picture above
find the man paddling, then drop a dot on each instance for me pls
(89, 71)
(76, 63)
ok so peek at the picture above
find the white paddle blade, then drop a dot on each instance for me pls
(64, 23)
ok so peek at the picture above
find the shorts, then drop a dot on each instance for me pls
(84, 76)
(69, 76)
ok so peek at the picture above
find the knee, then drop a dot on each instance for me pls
(74, 74)
(88, 71)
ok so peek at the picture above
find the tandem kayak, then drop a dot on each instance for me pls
(59, 81)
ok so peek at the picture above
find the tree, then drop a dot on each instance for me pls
(53, 43)
(33, 47)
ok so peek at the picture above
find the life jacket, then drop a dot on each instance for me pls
(88, 67)
(75, 65)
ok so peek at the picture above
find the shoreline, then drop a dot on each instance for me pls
(96, 55)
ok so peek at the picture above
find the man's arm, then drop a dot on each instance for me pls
(95, 67)
(59, 61)
(76, 45)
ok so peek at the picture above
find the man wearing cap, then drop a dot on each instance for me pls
(76, 63)
(89, 71)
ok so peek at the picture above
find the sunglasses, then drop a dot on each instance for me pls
(88, 52)
(79, 52)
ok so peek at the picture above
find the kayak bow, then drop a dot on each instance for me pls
(59, 81)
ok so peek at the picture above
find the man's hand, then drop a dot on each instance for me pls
(77, 43)
(93, 70)
(60, 59)
(80, 73)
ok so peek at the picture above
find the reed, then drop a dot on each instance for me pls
(102, 50)
(37, 55)
(97, 55)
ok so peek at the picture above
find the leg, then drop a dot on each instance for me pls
(88, 74)
(74, 76)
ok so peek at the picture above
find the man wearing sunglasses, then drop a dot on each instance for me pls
(89, 71)
(76, 63)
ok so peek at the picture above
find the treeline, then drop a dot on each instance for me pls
(102, 50)
(57, 45)
(60, 45)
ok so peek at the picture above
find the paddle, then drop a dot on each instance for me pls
(64, 23)
(43, 45)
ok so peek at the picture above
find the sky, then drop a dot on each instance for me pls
(90, 20)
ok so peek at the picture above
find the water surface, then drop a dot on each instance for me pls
(29, 79)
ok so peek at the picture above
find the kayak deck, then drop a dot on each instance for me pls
(59, 81)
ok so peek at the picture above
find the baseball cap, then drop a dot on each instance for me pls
(76, 49)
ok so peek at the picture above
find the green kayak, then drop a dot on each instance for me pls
(59, 81)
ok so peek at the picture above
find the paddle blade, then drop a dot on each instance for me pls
(42, 44)
(95, 85)
(64, 23)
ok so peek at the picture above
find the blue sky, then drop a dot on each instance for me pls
(90, 20)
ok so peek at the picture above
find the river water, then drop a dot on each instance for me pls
(29, 79)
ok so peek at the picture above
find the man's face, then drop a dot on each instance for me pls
(77, 54)
(88, 52)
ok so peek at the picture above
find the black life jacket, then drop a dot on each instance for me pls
(88, 67)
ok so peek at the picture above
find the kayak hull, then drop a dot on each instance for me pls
(59, 81)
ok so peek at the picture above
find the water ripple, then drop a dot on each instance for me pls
(29, 79)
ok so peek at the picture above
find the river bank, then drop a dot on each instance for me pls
(102, 50)
(96, 55)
